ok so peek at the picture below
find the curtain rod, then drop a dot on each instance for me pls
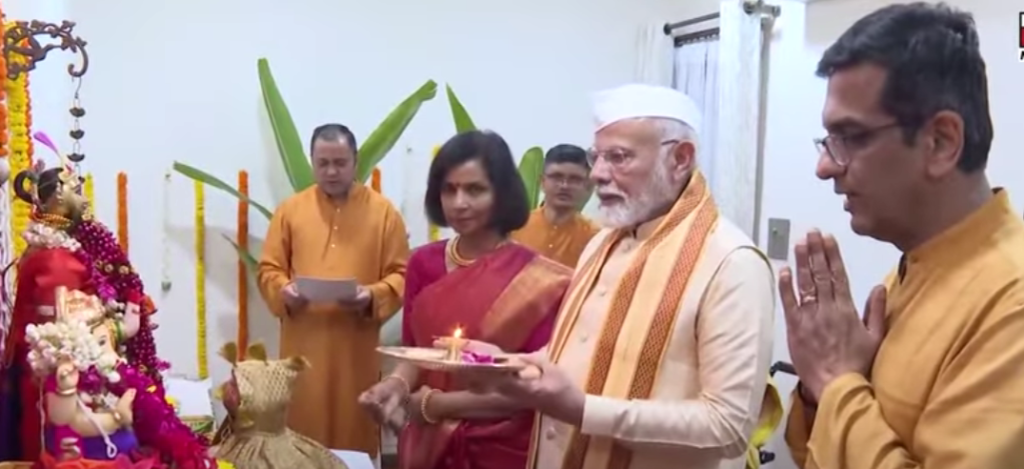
(695, 36)
(682, 24)
(749, 6)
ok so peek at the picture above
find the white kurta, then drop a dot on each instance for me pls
(707, 398)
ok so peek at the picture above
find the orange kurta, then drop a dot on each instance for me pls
(362, 237)
(562, 242)
(947, 387)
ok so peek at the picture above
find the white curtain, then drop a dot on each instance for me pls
(696, 75)
(653, 56)
(739, 115)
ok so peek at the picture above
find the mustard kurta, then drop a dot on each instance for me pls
(364, 238)
(947, 388)
(562, 242)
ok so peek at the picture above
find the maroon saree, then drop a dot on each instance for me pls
(508, 298)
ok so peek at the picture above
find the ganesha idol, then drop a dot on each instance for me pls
(89, 413)
(74, 358)
(70, 251)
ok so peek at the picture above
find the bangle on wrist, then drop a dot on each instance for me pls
(405, 384)
(66, 392)
(423, 407)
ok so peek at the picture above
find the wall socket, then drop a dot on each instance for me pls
(778, 239)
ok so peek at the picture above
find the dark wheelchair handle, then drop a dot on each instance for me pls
(784, 367)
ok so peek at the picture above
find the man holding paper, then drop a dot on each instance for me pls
(333, 271)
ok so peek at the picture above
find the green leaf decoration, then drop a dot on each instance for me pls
(250, 261)
(463, 123)
(386, 135)
(531, 168)
(212, 181)
(289, 144)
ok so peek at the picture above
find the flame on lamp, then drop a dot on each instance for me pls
(455, 345)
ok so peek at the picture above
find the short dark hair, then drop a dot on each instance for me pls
(567, 153)
(932, 55)
(511, 210)
(333, 133)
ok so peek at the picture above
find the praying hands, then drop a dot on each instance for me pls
(827, 337)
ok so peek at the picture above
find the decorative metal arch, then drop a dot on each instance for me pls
(21, 38)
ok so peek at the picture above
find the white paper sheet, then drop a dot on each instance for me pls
(322, 290)
(355, 459)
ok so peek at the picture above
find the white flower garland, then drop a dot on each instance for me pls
(54, 343)
(42, 236)
(6, 249)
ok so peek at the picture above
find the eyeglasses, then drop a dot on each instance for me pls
(839, 147)
(617, 156)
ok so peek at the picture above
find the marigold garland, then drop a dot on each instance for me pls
(122, 210)
(90, 192)
(200, 217)
(243, 269)
(28, 119)
(19, 121)
(433, 232)
(375, 180)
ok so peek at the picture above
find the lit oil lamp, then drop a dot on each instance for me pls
(455, 346)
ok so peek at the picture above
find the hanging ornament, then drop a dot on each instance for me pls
(77, 112)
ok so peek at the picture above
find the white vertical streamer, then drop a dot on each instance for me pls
(6, 250)
(165, 245)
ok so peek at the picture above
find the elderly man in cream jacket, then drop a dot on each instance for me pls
(661, 351)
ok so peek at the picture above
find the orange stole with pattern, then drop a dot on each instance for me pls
(678, 240)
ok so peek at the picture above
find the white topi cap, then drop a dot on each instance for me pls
(639, 100)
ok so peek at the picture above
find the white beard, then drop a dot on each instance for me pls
(632, 211)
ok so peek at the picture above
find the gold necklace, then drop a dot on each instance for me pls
(451, 251)
(52, 220)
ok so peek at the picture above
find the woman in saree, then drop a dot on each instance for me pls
(494, 290)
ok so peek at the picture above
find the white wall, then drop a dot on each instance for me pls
(177, 81)
(796, 97)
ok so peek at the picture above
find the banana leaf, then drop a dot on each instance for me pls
(531, 168)
(289, 144)
(250, 261)
(212, 181)
(386, 135)
(463, 123)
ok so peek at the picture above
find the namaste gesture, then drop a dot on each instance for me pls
(827, 337)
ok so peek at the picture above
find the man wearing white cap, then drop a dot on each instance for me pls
(661, 351)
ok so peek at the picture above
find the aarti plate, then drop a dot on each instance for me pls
(433, 359)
